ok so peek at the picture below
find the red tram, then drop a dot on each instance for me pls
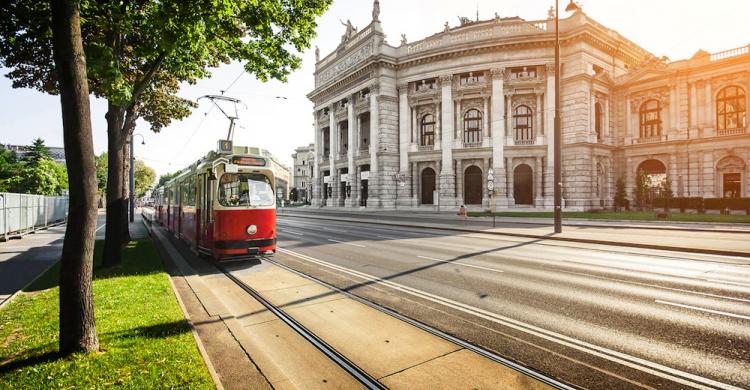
(222, 206)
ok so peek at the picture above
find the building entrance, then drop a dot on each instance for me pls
(428, 185)
(473, 185)
(523, 184)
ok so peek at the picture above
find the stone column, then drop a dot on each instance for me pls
(351, 199)
(708, 171)
(693, 108)
(592, 117)
(373, 192)
(438, 129)
(673, 110)
(459, 123)
(509, 119)
(460, 182)
(498, 135)
(447, 176)
(629, 180)
(332, 152)
(708, 120)
(485, 121)
(414, 126)
(485, 192)
(414, 184)
(628, 121)
(403, 191)
(550, 126)
(317, 151)
(509, 168)
(538, 172)
(605, 125)
(538, 121)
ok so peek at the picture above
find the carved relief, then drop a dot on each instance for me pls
(739, 78)
(498, 73)
(524, 100)
(446, 79)
(730, 164)
(660, 94)
(346, 63)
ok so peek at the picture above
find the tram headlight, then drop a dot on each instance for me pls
(252, 229)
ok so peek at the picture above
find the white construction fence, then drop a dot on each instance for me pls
(23, 213)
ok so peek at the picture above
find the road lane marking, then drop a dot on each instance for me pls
(387, 237)
(634, 362)
(723, 313)
(651, 285)
(462, 264)
(291, 232)
(727, 282)
(97, 229)
(347, 243)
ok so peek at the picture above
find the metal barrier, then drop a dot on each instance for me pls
(23, 213)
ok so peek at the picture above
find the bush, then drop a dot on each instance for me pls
(684, 203)
(714, 203)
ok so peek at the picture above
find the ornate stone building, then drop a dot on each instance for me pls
(304, 160)
(433, 120)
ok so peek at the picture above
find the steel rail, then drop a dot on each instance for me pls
(434, 331)
(352, 369)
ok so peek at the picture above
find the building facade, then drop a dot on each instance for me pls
(435, 120)
(304, 160)
(57, 153)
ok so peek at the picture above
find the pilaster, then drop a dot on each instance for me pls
(447, 176)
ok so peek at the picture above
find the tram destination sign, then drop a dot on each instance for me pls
(249, 161)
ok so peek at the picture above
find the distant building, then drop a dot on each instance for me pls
(438, 118)
(304, 159)
(58, 153)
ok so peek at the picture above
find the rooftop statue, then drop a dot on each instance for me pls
(350, 31)
(376, 10)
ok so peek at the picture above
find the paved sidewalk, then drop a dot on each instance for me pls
(23, 260)
(708, 242)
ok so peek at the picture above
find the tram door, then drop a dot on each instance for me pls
(206, 209)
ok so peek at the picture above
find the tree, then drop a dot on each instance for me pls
(163, 179)
(144, 177)
(9, 169)
(101, 173)
(38, 151)
(45, 177)
(139, 53)
(641, 192)
(665, 193)
(77, 324)
(620, 199)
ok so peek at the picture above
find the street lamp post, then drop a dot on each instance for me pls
(132, 176)
(557, 163)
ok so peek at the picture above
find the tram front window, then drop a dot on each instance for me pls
(245, 189)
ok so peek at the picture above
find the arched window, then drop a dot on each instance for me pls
(427, 130)
(598, 121)
(650, 119)
(731, 110)
(524, 130)
(472, 126)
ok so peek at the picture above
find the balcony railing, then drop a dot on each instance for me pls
(425, 148)
(648, 140)
(523, 141)
(472, 144)
(736, 52)
(737, 131)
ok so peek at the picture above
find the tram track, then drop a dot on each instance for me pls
(342, 361)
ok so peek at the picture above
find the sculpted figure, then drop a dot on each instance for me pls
(403, 39)
(317, 54)
(376, 10)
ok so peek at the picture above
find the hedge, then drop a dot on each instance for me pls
(700, 204)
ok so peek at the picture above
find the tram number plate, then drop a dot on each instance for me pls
(253, 251)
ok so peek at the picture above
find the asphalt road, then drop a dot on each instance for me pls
(594, 316)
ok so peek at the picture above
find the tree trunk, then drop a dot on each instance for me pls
(77, 324)
(115, 180)
(125, 237)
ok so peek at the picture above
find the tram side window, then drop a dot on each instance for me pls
(245, 189)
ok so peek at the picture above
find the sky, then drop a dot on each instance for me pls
(675, 28)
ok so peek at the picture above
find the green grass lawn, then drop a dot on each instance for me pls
(624, 215)
(145, 340)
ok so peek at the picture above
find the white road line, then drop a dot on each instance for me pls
(727, 282)
(634, 362)
(291, 232)
(387, 237)
(97, 229)
(347, 243)
(652, 285)
(723, 313)
(462, 264)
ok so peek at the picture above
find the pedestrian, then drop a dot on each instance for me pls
(462, 213)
